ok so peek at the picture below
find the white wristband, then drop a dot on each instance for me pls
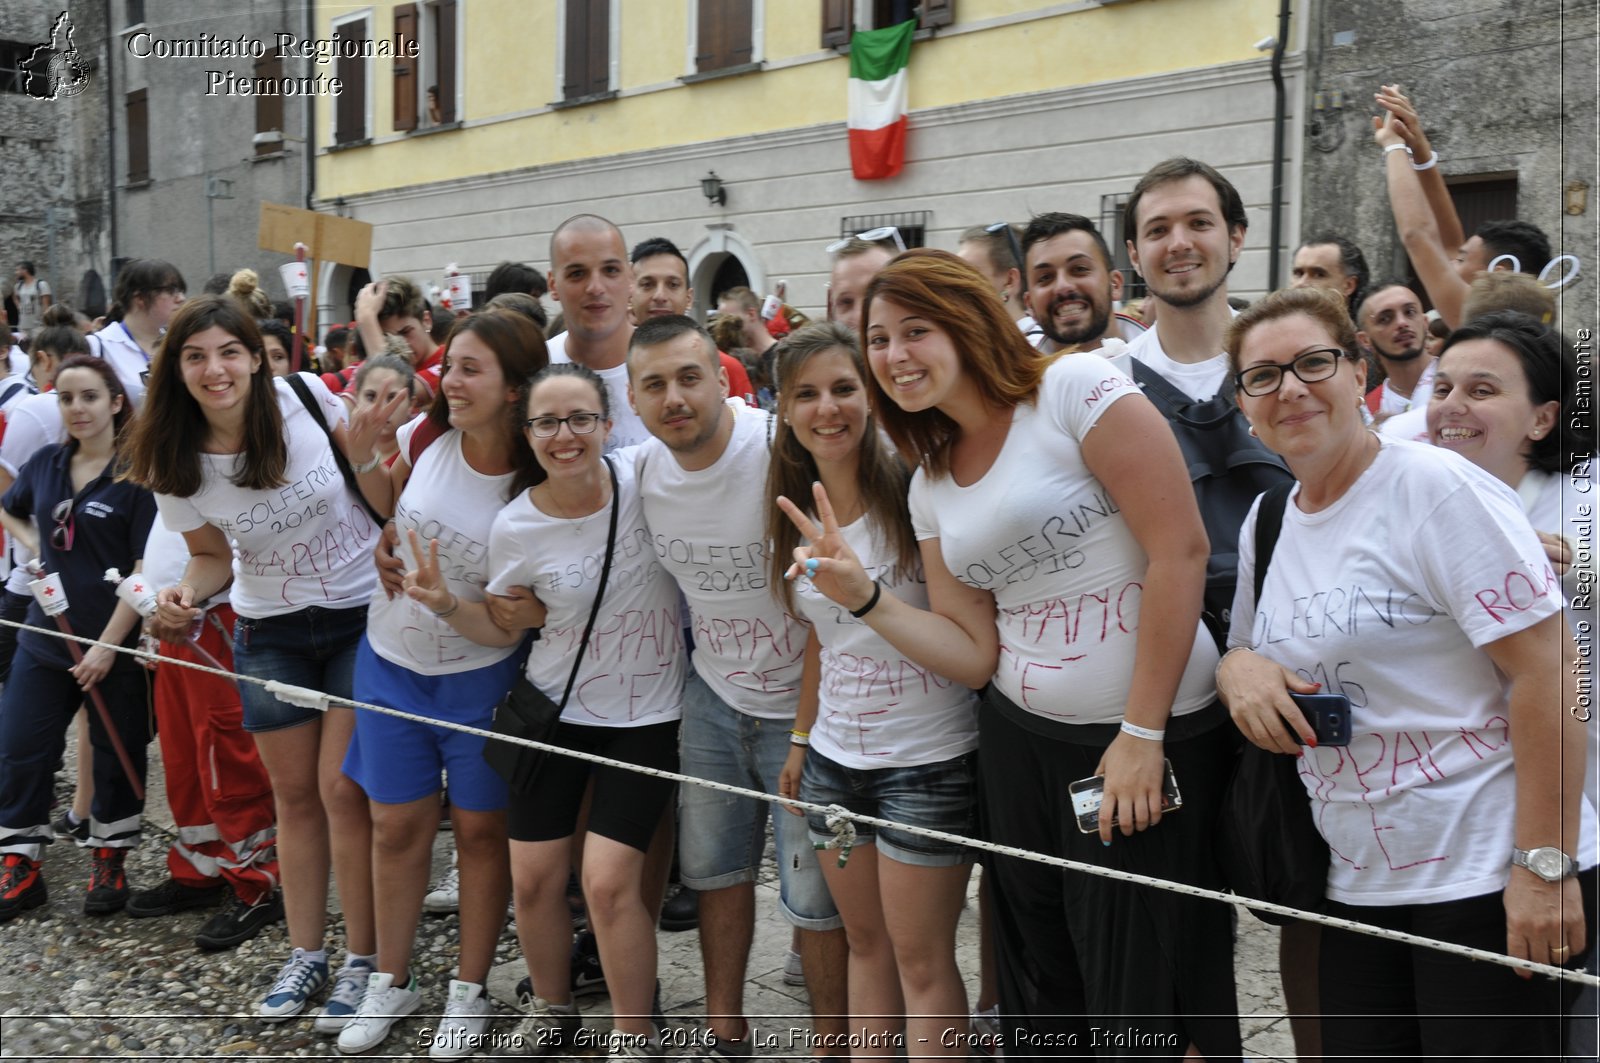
(1433, 160)
(1146, 733)
(1397, 147)
(368, 466)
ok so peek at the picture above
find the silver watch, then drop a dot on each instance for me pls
(1548, 862)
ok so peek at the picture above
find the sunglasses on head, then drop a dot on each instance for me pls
(871, 236)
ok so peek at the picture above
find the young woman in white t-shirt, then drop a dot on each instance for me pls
(873, 731)
(472, 459)
(1410, 582)
(147, 293)
(1051, 496)
(625, 704)
(246, 472)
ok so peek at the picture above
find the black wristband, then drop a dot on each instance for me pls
(877, 592)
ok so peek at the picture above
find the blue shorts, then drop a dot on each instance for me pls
(721, 836)
(397, 761)
(941, 796)
(311, 647)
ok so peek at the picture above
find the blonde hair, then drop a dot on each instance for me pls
(245, 286)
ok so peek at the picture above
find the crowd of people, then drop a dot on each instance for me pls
(956, 558)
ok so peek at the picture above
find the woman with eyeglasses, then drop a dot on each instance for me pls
(1065, 563)
(70, 508)
(245, 469)
(146, 295)
(1407, 582)
(456, 468)
(626, 688)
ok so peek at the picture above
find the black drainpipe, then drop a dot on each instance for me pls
(1280, 108)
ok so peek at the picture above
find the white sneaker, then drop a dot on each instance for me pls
(464, 1027)
(349, 986)
(446, 894)
(794, 972)
(383, 1005)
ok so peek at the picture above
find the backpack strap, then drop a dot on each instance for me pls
(1269, 522)
(297, 384)
(422, 438)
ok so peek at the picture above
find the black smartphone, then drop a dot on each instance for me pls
(1088, 793)
(1329, 716)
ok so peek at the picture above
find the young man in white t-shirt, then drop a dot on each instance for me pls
(703, 480)
(1392, 324)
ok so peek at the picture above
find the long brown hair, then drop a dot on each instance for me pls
(880, 477)
(947, 291)
(519, 348)
(164, 452)
(114, 389)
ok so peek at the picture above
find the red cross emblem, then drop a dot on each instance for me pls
(49, 592)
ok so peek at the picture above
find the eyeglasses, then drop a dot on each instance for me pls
(871, 236)
(1011, 238)
(1317, 364)
(581, 424)
(61, 535)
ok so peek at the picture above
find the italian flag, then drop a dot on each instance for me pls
(877, 119)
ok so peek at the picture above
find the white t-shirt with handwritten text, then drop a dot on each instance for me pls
(448, 501)
(876, 709)
(632, 672)
(1041, 533)
(626, 428)
(308, 542)
(1388, 596)
(709, 529)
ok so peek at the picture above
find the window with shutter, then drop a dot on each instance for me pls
(405, 67)
(350, 110)
(445, 13)
(588, 49)
(838, 18)
(725, 36)
(138, 137)
(269, 107)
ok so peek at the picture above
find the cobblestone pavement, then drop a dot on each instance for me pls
(79, 987)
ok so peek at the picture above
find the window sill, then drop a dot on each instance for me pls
(926, 34)
(270, 156)
(349, 145)
(725, 72)
(134, 186)
(580, 101)
(442, 127)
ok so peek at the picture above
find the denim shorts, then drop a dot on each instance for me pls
(941, 796)
(311, 647)
(721, 836)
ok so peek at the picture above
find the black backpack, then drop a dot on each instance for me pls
(1228, 467)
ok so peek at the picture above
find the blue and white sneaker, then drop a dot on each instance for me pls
(349, 986)
(300, 980)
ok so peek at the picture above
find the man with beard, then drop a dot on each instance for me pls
(1072, 288)
(1393, 326)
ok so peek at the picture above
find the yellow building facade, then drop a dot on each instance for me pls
(540, 109)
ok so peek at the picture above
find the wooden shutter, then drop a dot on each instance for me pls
(725, 35)
(444, 36)
(838, 19)
(405, 68)
(574, 74)
(936, 13)
(350, 113)
(138, 137)
(269, 108)
(709, 37)
(599, 76)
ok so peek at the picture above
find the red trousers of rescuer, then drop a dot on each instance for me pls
(218, 791)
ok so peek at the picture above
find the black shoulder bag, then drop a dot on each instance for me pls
(1268, 842)
(528, 712)
(314, 408)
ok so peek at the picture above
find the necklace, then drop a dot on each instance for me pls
(580, 520)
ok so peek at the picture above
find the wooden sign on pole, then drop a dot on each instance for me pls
(329, 237)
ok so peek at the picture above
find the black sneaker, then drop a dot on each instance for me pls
(65, 828)
(174, 896)
(108, 886)
(587, 977)
(238, 922)
(681, 910)
(21, 885)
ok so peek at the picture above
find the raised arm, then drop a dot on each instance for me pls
(1443, 208)
(1414, 218)
(955, 637)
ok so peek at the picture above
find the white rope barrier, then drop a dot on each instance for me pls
(321, 701)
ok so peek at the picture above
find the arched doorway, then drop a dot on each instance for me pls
(722, 260)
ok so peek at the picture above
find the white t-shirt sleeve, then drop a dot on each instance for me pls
(179, 514)
(924, 516)
(1243, 613)
(1077, 390)
(508, 556)
(26, 435)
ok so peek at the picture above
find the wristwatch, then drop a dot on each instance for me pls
(1548, 862)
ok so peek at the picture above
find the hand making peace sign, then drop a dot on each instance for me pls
(833, 567)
